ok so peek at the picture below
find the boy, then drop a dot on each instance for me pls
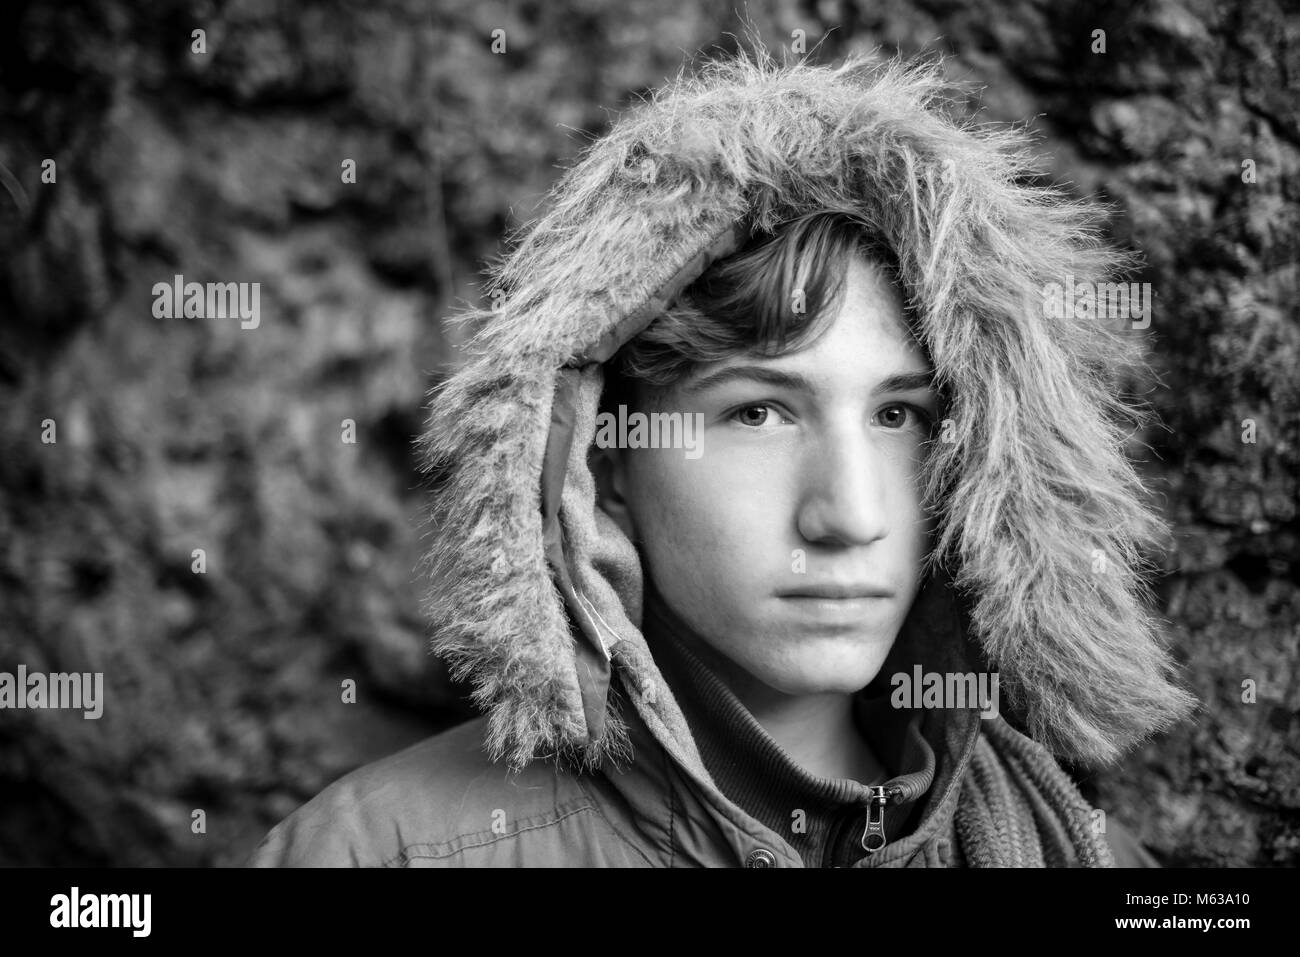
(777, 522)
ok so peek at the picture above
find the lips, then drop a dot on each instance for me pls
(833, 590)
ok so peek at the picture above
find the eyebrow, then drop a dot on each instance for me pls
(898, 382)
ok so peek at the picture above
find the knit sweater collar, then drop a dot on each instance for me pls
(822, 818)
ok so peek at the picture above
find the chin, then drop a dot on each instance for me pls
(830, 684)
(830, 674)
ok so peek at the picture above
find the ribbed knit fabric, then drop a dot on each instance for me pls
(1019, 809)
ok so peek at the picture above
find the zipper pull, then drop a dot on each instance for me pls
(873, 838)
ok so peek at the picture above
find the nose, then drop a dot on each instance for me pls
(845, 498)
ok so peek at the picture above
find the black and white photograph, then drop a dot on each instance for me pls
(793, 434)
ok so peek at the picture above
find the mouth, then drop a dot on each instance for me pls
(836, 606)
(835, 592)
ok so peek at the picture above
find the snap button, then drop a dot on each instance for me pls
(760, 857)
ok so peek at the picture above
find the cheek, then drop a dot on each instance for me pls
(699, 526)
(912, 527)
(906, 483)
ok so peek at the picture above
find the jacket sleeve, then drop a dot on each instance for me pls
(1127, 849)
(308, 838)
(440, 803)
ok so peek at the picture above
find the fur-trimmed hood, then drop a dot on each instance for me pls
(535, 594)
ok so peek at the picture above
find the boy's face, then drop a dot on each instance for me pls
(792, 545)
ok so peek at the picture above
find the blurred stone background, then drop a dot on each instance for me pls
(224, 688)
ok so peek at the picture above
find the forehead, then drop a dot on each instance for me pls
(861, 344)
(871, 309)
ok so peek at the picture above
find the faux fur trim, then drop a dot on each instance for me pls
(1041, 516)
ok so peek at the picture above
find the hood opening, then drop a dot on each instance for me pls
(536, 593)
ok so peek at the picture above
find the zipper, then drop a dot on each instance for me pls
(874, 837)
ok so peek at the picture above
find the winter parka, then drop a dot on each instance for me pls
(584, 755)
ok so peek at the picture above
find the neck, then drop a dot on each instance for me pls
(819, 733)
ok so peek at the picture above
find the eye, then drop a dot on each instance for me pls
(896, 416)
(755, 415)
